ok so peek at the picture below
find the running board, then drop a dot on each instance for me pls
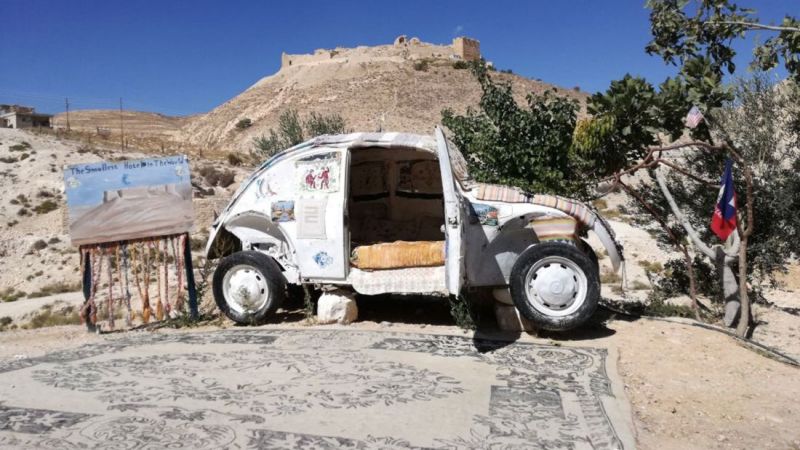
(413, 280)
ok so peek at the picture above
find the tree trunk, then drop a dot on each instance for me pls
(722, 258)
(730, 289)
(744, 315)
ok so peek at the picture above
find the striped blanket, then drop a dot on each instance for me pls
(575, 209)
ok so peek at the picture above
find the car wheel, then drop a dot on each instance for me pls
(586, 248)
(555, 285)
(248, 287)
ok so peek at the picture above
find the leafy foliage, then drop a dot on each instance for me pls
(764, 124)
(526, 146)
(319, 124)
(421, 65)
(684, 30)
(463, 312)
(244, 124)
(290, 132)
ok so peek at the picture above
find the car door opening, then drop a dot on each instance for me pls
(395, 209)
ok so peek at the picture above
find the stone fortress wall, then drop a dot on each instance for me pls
(463, 48)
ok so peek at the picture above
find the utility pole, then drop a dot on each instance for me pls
(121, 128)
(66, 104)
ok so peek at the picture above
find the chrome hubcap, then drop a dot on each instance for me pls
(556, 286)
(245, 289)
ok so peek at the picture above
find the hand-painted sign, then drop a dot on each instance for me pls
(116, 201)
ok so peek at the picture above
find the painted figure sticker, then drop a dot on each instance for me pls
(319, 173)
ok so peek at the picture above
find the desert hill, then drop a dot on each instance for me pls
(398, 87)
(136, 123)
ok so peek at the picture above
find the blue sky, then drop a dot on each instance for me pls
(186, 57)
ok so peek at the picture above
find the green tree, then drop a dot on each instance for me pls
(527, 146)
(698, 36)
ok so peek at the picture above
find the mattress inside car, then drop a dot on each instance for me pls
(398, 255)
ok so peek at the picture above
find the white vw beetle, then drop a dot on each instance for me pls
(398, 213)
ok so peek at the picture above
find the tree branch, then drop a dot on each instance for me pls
(705, 249)
(752, 25)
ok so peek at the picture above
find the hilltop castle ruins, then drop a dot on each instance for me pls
(462, 48)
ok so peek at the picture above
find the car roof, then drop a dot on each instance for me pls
(383, 140)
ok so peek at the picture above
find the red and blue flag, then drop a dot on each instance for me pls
(723, 222)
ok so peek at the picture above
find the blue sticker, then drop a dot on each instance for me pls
(487, 214)
(283, 211)
(323, 259)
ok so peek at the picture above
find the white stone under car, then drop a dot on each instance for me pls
(382, 213)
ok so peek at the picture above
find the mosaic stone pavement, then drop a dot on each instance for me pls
(270, 388)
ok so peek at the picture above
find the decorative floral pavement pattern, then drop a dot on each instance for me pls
(272, 388)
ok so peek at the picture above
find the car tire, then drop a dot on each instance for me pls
(586, 248)
(248, 287)
(555, 285)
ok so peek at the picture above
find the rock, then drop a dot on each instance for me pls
(337, 307)
(509, 319)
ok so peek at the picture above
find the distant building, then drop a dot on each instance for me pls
(467, 49)
(16, 116)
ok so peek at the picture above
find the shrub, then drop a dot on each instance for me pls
(421, 65)
(20, 147)
(244, 124)
(59, 287)
(44, 193)
(24, 156)
(39, 245)
(23, 212)
(319, 124)
(45, 207)
(674, 280)
(290, 132)
(8, 159)
(54, 240)
(460, 64)
(463, 312)
(46, 317)
(10, 294)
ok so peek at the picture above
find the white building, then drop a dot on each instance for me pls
(14, 116)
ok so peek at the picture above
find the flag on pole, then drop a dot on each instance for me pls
(694, 117)
(723, 222)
